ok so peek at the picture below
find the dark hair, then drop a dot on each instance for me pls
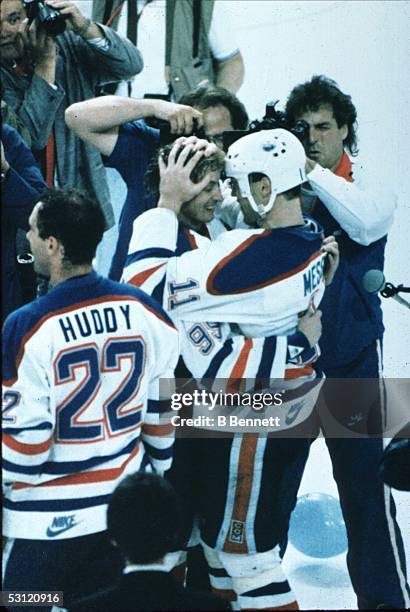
(206, 96)
(318, 91)
(144, 517)
(203, 167)
(75, 219)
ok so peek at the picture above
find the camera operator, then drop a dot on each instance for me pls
(113, 125)
(352, 335)
(42, 75)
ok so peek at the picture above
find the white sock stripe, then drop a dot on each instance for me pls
(259, 580)
(230, 496)
(382, 388)
(265, 601)
(253, 502)
(387, 490)
(224, 583)
(6, 556)
(393, 539)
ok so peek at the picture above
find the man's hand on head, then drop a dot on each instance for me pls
(200, 144)
(180, 117)
(176, 186)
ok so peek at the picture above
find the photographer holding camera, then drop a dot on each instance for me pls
(43, 73)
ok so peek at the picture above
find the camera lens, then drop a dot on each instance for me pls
(52, 20)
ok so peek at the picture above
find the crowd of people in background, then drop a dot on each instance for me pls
(236, 262)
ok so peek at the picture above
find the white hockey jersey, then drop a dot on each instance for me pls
(258, 279)
(210, 349)
(82, 403)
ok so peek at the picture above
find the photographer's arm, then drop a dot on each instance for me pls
(106, 56)
(97, 121)
(79, 24)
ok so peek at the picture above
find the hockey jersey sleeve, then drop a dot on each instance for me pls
(210, 351)
(366, 214)
(153, 243)
(27, 421)
(157, 432)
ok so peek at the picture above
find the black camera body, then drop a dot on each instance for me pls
(52, 20)
(272, 120)
(165, 135)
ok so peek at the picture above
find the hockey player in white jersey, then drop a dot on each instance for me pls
(242, 569)
(243, 266)
(81, 405)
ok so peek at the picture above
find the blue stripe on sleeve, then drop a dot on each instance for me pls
(159, 453)
(147, 253)
(268, 354)
(158, 406)
(56, 505)
(158, 293)
(16, 430)
(218, 359)
(67, 467)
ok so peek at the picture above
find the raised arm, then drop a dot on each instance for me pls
(97, 121)
(100, 51)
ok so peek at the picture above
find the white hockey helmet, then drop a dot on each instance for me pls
(276, 153)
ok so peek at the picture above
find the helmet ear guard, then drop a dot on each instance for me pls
(277, 154)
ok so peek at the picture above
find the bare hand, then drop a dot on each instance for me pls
(4, 163)
(180, 117)
(176, 186)
(41, 48)
(201, 144)
(75, 19)
(331, 247)
(310, 325)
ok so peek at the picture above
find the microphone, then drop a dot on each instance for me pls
(374, 282)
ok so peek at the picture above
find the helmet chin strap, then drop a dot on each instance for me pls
(245, 188)
(262, 209)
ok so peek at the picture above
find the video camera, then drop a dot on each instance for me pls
(51, 19)
(272, 120)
